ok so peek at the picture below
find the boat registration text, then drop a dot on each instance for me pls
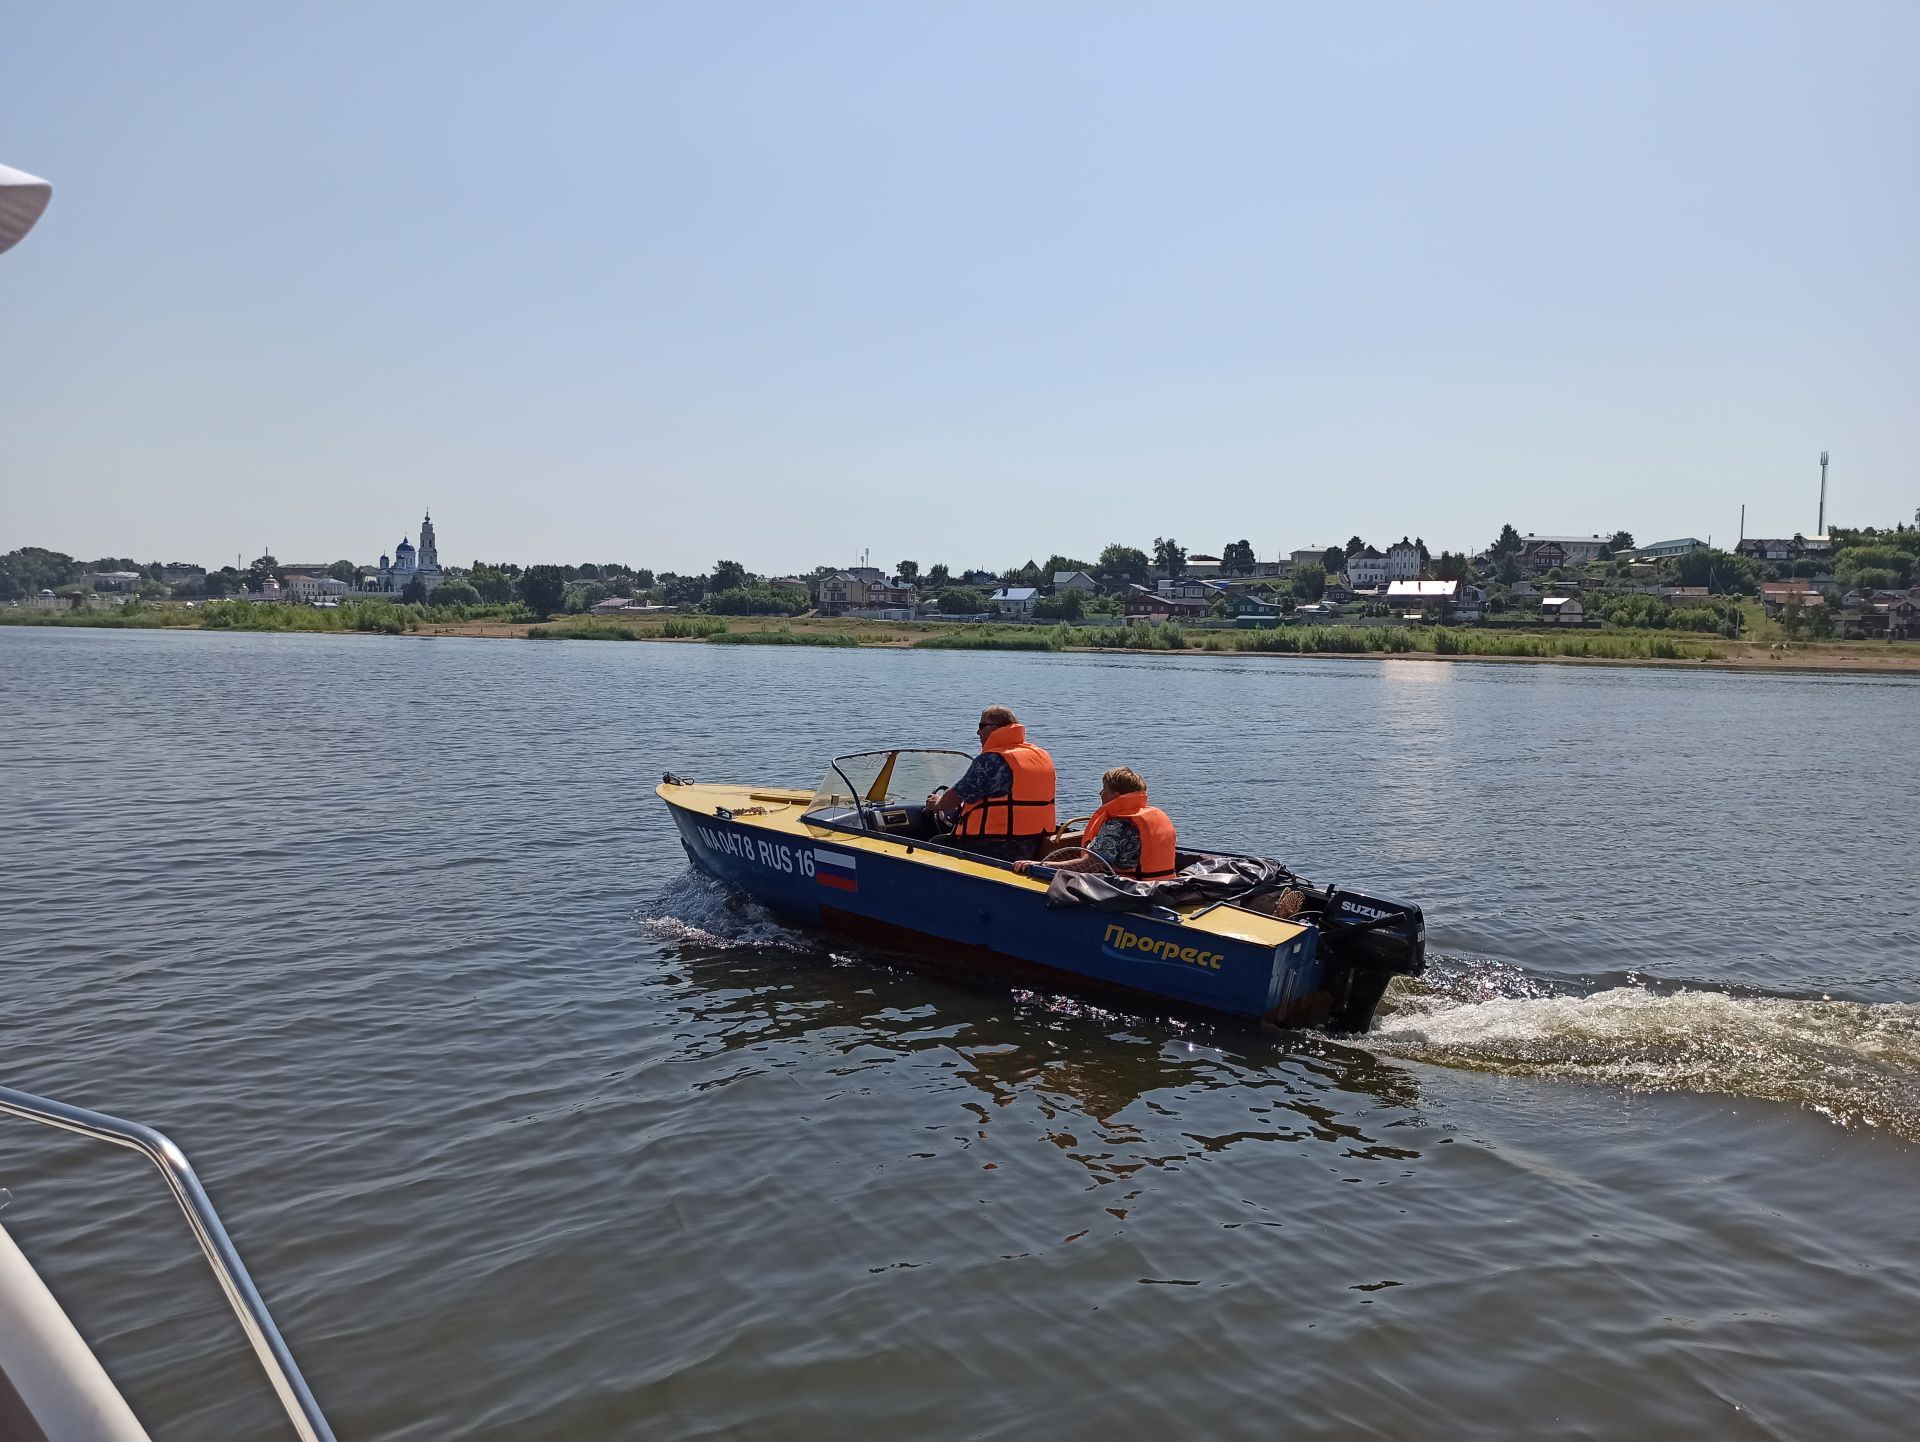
(774, 855)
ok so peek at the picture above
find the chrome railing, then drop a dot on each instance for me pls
(268, 1345)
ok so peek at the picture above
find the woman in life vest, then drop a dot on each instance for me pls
(1003, 806)
(1134, 839)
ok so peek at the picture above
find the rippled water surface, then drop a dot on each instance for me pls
(529, 1133)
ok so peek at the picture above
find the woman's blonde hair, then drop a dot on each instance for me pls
(1123, 779)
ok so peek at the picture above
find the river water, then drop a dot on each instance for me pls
(528, 1133)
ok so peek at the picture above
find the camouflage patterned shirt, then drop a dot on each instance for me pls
(1118, 844)
(990, 775)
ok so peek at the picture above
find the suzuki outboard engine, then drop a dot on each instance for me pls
(1366, 943)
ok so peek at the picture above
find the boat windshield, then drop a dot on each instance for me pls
(886, 778)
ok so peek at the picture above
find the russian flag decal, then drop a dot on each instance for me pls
(835, 869)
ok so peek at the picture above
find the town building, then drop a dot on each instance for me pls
(1663, 550)
(1779, 597)
(1189, 588)
(308, 589)
(1900, 615)
(1015, 600)
(625, 606)
(1074, 581)
(1205, 566)
(407, 564)
(1309, 558)
(1562, 611)
(1143, 604)
(865, 592)
(1878, 615)
(1249, 609)
(1405, 560)
(1569, 550)
(1367, 568)
(889, 600)
(1786, 549)
(1679, 596)
(1428, 597)
(838, 593)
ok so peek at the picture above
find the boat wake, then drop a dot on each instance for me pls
(696, 910)
(1855, 1062)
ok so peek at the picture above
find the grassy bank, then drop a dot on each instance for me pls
(130, 618)
(1155, 636)
(782, 638)
(990, 639)
(1331, 641)
(599, 628)
(380, 617)
(683, 628)
(1491, 643)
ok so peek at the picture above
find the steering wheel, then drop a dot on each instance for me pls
(1082, 851)
(939, 825)
(1060, 831)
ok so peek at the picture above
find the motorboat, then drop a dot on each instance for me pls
(861, 854)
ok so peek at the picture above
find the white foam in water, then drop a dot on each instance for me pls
(1856, 1062)
(702, 912)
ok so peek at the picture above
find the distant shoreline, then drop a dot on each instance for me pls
(1879, 658)
(1856, 657)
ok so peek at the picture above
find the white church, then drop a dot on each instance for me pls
(407, 564)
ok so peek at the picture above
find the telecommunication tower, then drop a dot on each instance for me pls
(1823, 494)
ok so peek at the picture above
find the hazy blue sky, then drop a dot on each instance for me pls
(962, 282)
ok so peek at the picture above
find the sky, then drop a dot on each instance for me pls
(793, 283)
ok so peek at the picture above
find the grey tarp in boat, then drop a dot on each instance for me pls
(1218, 878)
(1366, 941)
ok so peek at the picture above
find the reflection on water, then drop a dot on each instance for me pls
(1124, 1077)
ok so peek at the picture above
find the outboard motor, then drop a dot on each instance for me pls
(1366, 943)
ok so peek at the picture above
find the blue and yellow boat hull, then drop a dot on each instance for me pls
(918, 896)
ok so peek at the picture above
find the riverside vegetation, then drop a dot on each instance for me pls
(389, 618)
(1615, 643)
(1164, 636)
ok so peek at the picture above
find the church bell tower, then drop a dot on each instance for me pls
(429, 558)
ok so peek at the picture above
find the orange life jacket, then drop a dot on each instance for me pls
(1157, 857)
(1027, 810)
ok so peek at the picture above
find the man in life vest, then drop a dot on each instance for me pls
(1134, 839)
(1003, 806)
